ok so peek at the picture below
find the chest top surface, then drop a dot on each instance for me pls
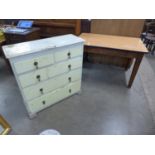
(29, 47)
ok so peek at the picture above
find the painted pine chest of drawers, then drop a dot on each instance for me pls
(46, 70)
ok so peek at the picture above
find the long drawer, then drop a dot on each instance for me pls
(51, 84)
(68, 53)
(39, 75)
(53, 97)
(33, 77)
(33, 63)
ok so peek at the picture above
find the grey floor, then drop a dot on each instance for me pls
(151, 60)
(105, 106)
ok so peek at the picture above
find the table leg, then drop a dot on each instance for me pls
(135, 69)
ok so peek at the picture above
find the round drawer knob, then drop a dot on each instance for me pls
(43, 102)
(69, 54)
(41, 90)
(70, 90)
(38, 77)
(36, 64)
(69, 79)
(69, 66)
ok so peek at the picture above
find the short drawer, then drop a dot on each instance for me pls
(74, 87)
(68, 53)
(52, 84)
(64, 67)
(33, 63)
(33, 77)
(53, 97)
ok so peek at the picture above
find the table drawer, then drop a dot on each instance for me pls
(64, 67)
(52, 84)
(53, 97)
(68, 53)
(33, 63)
(33, 77)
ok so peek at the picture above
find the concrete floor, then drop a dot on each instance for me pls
(151, 60)
(105, 106)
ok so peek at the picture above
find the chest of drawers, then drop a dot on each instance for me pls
(46, 70)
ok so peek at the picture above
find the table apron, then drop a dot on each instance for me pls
(112, 52)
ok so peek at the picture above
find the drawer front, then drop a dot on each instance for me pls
(68, 53)
(48, 99)
(73, 75)
(64, 67)
(42, 102)
(33, 63)
(51, 98)
(52, 84)
(33, 77)
(74, 87)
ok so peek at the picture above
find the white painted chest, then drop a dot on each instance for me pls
(47, 70)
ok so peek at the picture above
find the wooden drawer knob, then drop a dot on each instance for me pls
(43, 102)
(41, 90)
(38, 77)
(69, 79)
(69, 66)
(69, 54)
(36, 64)
(70, 90)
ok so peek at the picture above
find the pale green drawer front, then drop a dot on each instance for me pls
(33, 77)
(64, 67)
(74, 87)
(52, 84)
(53, 97)
(42, 102)
(66, 79)
(39, 89)
(48, 99)
(33, 63)
(68, 53)
(74, 75)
